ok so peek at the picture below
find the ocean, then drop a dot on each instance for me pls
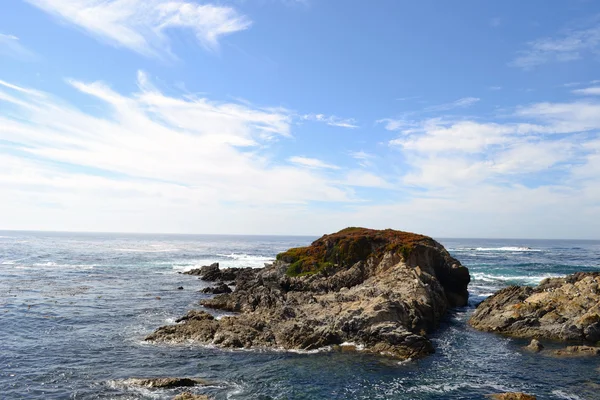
(75, 308)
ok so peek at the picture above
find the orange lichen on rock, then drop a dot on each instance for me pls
(348, 246)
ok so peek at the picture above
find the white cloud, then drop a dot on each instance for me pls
(364, 158)
(366, 179)
(564, 117)
(11, 46)
(571, 45)
(332, 120)
(156, 163)
(466, 153)
(311, 163)
(460, 103)
(152, 158)
(143, 25)
(591, 91)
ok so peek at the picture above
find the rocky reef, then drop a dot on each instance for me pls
(564, 309)
(382, 290)
(512, 396)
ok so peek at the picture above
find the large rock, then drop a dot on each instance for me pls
(566, 309)
(218, 289)
(169, 382)
(383, 290)
(212, 273)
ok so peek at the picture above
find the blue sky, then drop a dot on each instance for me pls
(450, 118)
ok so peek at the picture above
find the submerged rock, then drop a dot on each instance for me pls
(566, 309)
(165, 383)
(512, 396)
(190, 396)
(535, 346)
(383, 290)
(578, 351)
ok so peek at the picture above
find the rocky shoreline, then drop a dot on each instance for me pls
(559, 309)
(381, 290)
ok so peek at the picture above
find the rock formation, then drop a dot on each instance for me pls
(566, 309)
(382, 290)
(512, 396)
(164, 383)
(190, 396)
(535, 346)
(218, 289)
(577, 351)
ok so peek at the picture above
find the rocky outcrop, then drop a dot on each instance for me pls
(213, 273)
(566, 309)
(382, 290)
(190, 396)
(578, 351)
(219, 289)
(512, 396)
(534, 346)
(164, 383)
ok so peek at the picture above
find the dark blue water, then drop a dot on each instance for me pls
(74, 309)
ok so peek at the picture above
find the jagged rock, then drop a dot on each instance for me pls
(535, 346)
(512, 396)
(383, 290)
(219, 289)
(202, 270)
(212, 273)
(164, 383)
(566, 309)
(190, 396)
(578, 351)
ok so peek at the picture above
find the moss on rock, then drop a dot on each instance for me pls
(345, 248)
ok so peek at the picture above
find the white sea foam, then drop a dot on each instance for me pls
(506, 248)
(357, 346)
(562, 395)
(142, 250)
(441, 388)
(497, 249)
(239, 260)
(53, 264)
(525, 279)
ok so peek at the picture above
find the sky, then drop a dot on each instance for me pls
(458, 118)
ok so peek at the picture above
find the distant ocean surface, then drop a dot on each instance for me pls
(74, 309)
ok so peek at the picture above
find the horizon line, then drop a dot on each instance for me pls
(267, 234)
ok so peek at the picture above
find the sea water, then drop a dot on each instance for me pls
(75, 308)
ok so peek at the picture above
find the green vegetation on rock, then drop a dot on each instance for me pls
(346, 247)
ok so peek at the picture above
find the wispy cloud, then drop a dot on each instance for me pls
(11, 46)
(460, 103)
(364, 159)
(311, 163)
(495, 22)
(466, 152)
(591, 91)
(331, 120)
(143, 25)
(571, 45)
(148, 148)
